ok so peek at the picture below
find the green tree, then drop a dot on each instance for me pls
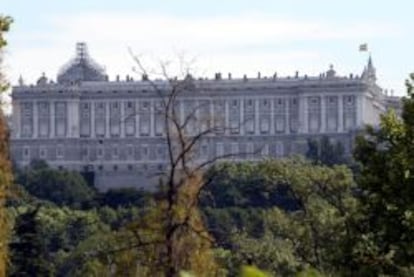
(28, 251)
(386, 181)
(326, 152)
(243, 185)
(59, 186)
(317, 234)
(5, 165)
(125, 197)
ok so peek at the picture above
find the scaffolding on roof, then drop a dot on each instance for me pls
(81, 68)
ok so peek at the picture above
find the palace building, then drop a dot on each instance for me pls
(85, 122)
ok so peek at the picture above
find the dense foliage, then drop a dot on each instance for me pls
(62, 187)
(301, 221)
(323, 151)
(386, 155)
(5, 166)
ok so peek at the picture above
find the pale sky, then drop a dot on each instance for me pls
(242, 37)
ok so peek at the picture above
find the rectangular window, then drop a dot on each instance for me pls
(144, 127)
(144, 152)
(26, 153)
(250, 149)
(204, 150)
(219, 149)
(234, 148)
(130, 151)
(100, 152)
(161, 151)
(42, 153)
(59, 152)
(115, 151)
(130, 127)
(250, 124)
(265, 150)
(279, 149)
(159, 125)
(264, 125)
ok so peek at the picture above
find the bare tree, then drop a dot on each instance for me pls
(172, 236)
(183, 179)
(183, 242)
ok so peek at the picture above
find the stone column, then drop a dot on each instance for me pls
(323, 114)
(272, 115)
(70, 119)
(137, 110)
(107, 120)
(212, 118)
(16, 115)
(181, 112)
(52, 119)
(256, 117)
(359, 110)
(122, 123)
(75, 118)
(92, 105)
(242, 123)
(303, 114)
(341, 113)
(226, 116)
(35, 119)
(287, 115)
(152, 125)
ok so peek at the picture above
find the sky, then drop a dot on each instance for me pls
(237, 36)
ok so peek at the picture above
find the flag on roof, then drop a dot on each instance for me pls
(363, 47)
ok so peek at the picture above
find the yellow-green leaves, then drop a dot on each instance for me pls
(252, 271)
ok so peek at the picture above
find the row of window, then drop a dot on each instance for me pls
(159, 152)
(60, 106)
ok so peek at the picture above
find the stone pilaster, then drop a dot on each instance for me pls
(272, 116)
(242, 123)
(323, 114)
(226, 116)
(256, 117)
(107, 120)
(137, 126)
(122, 119)
(340, 113)
(152, 116)
(303, 114)
(52, 123)
(75, 128)
(35, 120)
(92, 106)
(359, 110)
(16, 115)
(287, 115)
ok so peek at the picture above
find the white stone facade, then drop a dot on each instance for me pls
(114, 128)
